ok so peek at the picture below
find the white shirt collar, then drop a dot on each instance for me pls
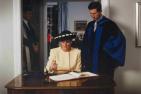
(25, 21)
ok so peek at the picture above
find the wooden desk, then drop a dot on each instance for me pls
(32, 84)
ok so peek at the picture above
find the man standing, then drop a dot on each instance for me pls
(103, 44)
(30, 44)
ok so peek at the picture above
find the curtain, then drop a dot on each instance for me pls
(62, 15)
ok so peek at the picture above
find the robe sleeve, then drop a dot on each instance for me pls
(115, 46)
(51, 58)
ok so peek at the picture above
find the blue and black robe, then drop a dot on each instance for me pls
(104, 49)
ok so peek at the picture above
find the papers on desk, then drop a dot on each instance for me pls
(72, 75)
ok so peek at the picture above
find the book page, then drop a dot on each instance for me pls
(87, 74)
(82, 74)
(72, 75)
(75, 74)
(62, 77)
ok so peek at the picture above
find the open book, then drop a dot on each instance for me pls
(72, 75)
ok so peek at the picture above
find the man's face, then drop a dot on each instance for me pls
(27, 15)
(95, 14)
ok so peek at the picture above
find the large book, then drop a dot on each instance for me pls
(71, 75)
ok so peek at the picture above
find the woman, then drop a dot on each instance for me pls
(64, 58)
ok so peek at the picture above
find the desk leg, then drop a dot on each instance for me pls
(10, 91)
(95, 91)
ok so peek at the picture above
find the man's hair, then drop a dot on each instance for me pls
(27, 8)
(95, 5)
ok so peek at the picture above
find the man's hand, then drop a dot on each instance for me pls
(35, 48)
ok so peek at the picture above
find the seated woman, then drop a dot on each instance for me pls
(64, 58)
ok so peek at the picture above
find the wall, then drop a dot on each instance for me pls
(9, 48)
(128, 78)
(6, 48)
(77, 11)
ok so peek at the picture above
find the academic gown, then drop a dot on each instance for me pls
(104, 49)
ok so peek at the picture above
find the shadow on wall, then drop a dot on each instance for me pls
(131, 71)
(128, 77)
(132, 82)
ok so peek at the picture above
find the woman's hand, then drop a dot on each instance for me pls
(53, 66)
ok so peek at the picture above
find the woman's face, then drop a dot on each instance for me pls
(66, 45)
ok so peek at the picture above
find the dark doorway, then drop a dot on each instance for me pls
(31, 36)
